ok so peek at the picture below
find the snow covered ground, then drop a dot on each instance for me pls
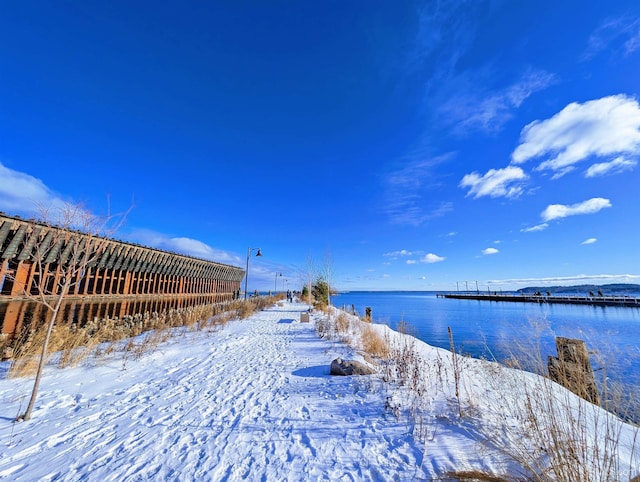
(251, 401)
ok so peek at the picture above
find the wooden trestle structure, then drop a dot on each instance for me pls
(116, 268)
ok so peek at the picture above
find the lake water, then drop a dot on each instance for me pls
(497, 329)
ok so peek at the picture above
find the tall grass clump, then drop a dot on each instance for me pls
(374, 343)
(70, 344)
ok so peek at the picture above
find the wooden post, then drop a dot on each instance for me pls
(20, 279)
(84, 289)
(367, 313)
(572, 369)
(3, 272)
(32, 272)
(127, 283)
(43, 278)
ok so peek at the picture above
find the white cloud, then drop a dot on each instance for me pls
(495, 183)
(192, 247)
(21, 193)
(591, 206)
(533, 229)
(490, 251)
(603, 127)
(431, 258)
(616, 166)
(411, 261)
(185, 246)
(590, 241)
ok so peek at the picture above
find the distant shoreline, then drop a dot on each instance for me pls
(583, 289)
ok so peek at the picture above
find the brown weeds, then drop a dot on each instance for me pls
(373, 343)
(71, 344)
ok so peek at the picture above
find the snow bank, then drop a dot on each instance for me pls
(255, 401)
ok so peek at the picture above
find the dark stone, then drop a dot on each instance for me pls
(342, 367)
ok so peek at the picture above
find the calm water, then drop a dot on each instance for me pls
(492, 329)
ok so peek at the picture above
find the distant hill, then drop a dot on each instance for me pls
(609, 289)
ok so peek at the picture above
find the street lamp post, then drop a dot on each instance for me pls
(275, 283)
(246, 276)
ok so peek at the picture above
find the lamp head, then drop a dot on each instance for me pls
(259, 253)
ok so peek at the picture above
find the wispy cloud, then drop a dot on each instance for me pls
(487, 251)
(590, 241)
(615, 35)
(590, 206)
(599, 128)
(490, 111)
(576, 279)
(505, 182)
(408, 188)
(431, 258)
(411, 261)
(402, 252)
(616, 166)
(533, 229)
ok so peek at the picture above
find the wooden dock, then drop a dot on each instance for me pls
(605, 300)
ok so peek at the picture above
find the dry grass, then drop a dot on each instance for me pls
(70, 344)
(342, 323)
(333, 326)
(373, 343)
(478, 476)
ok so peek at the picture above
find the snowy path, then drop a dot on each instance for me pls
(253, 401)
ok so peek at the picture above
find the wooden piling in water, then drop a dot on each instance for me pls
(572, 369)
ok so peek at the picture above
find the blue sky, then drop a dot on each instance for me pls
(407, 145)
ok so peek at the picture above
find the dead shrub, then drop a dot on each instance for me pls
(478, 476)
(324, 327)
(374, 343)
(342, 323)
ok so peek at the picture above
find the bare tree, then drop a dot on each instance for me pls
(70, 240)
(308, 276)
(327, 272)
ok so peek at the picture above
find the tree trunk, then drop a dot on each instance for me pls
(43, 354)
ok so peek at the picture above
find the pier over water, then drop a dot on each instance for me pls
(604, 300)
